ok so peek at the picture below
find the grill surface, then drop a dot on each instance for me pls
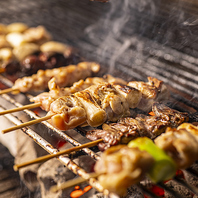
(144, 38)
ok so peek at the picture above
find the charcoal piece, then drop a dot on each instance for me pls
(53, 172)
(192, 178)
(27, 150)
(181, 190)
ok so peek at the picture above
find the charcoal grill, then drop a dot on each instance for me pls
(132, 40)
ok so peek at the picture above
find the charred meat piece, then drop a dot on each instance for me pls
(101, 102)
(179, 144)
(55, 92)
(65, 76)
(167, 114)
(122, 167)
(152, 91)
(129, 128)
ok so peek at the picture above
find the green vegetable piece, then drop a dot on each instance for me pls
(164, 167)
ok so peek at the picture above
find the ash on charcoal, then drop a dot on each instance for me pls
(53, 172)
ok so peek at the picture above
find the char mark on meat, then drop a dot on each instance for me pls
(130, 128)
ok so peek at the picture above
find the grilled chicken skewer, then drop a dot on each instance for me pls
(123, 132)
(181, 144)
(93, 106)
(55, 92)
(65, 76)
(96, 104)
(130, 128)
(45, 99)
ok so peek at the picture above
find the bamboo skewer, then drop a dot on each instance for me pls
(73, 182)
(27, 124)
(50, 156)
(30, 106)
(8, 90)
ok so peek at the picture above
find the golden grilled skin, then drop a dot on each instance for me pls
(65, 76)
(152, 91)
(179, 144)
(55, 92)
(100, 102)
(123, 167)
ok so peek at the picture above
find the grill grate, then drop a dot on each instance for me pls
(149, 44)
(65, 159)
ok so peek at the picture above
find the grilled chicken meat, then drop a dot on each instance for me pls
(123, 167)
(119, 166)
(181, 144)
(65, 76)
(129, 128)
(55, 92)
(97, 104)
(152, 91)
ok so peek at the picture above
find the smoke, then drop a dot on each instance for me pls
(122, 33)
(114, 33)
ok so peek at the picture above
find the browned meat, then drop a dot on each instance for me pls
(101, 102)
(129, 128)
(122, 167)
(152, 91)
(55, 92)
(181, 145)
(24, 50)
(65, 76)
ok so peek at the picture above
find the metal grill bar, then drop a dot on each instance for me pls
(66, 160)
(49, 148)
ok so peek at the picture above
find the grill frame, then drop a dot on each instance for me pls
(66, 160)
(145, 60)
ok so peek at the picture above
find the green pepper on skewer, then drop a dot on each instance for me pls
(164, 167)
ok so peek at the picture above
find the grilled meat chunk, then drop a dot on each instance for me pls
(179, 144)
(152, 91)
(129, 128)
(101, 102)
(55, 92)
(65, 76)
(122, 167)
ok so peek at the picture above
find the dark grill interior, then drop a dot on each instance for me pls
(131, 39)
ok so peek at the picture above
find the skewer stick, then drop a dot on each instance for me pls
(50, 156)
(30, 106)
(8, 90)
(73, 182)
(27, 124)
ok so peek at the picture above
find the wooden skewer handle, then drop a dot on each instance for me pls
(8, 90)
(47, 157)
(30, 106)
(73, 182)
(26, 124)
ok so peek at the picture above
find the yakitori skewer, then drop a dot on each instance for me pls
(98, 104)
(50, 156)
(65, 76)
(150, 91)
(119, 136)
(122, 166)
(44, 99)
